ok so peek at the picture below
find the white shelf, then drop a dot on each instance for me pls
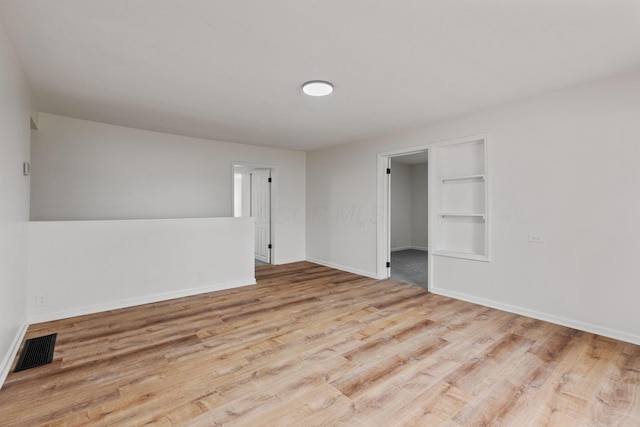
(462, 177)
(460, 214)
(459, 254)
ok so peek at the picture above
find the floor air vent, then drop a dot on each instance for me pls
(36, 352)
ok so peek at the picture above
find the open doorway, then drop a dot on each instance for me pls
(408, 218)
(415, 222)
(252, 197)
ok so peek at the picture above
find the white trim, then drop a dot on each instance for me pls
(558, 320)
(5, 366)
(147, 299)
(382, 234)
(387, 218)
(344, 268)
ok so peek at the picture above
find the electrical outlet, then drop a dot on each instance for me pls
(201, 276)
(535, 238)
(41, 300)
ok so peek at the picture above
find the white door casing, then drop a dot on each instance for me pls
(261, 211)
(388, 213)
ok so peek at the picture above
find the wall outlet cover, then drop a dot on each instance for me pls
(41, 300)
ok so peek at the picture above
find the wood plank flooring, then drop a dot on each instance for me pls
(314, 346)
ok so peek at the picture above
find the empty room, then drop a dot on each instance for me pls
(300, 212)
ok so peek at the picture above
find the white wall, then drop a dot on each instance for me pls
(563, 165)
(14, 202)
(84, 267)
(400, 206)
(85, 170)
(409, 225)
(341, 215)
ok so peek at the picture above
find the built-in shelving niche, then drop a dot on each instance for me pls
(462, 217)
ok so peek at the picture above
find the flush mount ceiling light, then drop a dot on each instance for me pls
(317, 88)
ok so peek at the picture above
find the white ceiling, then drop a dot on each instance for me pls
(232, 70)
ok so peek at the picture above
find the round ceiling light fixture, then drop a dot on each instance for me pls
(317, 88)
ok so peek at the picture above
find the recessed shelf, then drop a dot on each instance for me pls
(463, 177)
(462, 205)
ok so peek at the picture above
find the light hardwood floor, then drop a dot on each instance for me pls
(310, 345)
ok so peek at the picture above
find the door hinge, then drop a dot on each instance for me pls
(388, 171)
(269, 246)
(269, 179)
(388, 264)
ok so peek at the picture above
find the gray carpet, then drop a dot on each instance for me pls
(409, 266)
(259, 263)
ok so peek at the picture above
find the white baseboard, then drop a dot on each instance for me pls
(344, 268)
(7, 361)
(404, 248)
(130, 302)
(559, 320)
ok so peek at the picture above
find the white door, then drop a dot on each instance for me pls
(261, 211)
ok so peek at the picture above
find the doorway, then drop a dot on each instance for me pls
(408, 218)
(404, 233)
(252, 197)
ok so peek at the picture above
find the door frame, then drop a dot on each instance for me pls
(384, 205)
(274, 199)
(261, 181)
